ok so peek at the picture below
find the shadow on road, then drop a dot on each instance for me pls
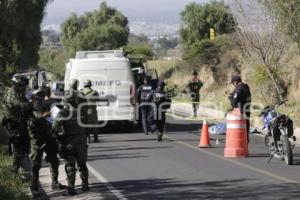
(128, 149)
(171, 189)
(115, 156)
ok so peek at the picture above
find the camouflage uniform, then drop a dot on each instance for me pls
(194, 87)
(17, 110)
(42, 140)
(91, 109)
(72, 139)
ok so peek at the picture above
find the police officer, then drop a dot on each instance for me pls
(142, 95)
(241, 98)
(162, 102)
(91, 109)
(140, 77)
(17, 110)
(42, 140)
(72, 140)
(194, 87)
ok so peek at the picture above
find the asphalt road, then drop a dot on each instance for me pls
(136, 166)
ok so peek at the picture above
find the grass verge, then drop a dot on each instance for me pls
(11, 187)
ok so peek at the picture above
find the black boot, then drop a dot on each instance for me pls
(159, 136)
(58, 186)
(70, 192)
(85, 188)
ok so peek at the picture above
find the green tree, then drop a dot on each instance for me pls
(53, 60)
(142, 50)
(104, 29)
(138, 39)
(197, 19)
(20, 34)
(166, 43)
(288, 14)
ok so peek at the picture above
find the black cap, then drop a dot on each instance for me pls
(161, 83)
(195, 73)
(236, 78)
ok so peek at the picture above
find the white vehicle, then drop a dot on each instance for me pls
(111, 75)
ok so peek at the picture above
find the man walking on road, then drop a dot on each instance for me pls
(194, 87)
(142, 95)
(241, 98)
(91, 109)
(162, 102)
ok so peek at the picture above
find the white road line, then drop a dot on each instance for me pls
(109, 186)
(257, 170)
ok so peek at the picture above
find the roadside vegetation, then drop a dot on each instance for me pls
(266, 57)
(11, 187)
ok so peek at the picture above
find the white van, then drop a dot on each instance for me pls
(111, 75)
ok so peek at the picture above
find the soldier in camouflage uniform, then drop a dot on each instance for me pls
(72, 139)
(42, 140)
(194, 87)
(17, 110)
(91, 109)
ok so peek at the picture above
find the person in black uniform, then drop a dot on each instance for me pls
(194, 87)
(142, 94)
(162, 102)
(241, 98)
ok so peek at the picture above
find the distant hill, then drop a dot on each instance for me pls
(150, 11)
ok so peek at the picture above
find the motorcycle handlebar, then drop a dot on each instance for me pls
(280, 103)
(268, 108)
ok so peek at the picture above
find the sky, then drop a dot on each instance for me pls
(157, 11)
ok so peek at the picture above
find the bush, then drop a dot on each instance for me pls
(204, 52)
(11, 187)
(53, 60)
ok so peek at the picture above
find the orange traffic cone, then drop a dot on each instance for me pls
(204, 138)
(236, 135)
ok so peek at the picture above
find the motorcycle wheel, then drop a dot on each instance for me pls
(287, 150)
(268, 143)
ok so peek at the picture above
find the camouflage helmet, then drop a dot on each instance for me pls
(87, 83)
(74, 84)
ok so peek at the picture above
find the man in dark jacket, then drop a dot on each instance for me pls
(142, 95)
(241, 98)
(162, 102)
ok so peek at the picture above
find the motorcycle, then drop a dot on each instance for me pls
(279, 133)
